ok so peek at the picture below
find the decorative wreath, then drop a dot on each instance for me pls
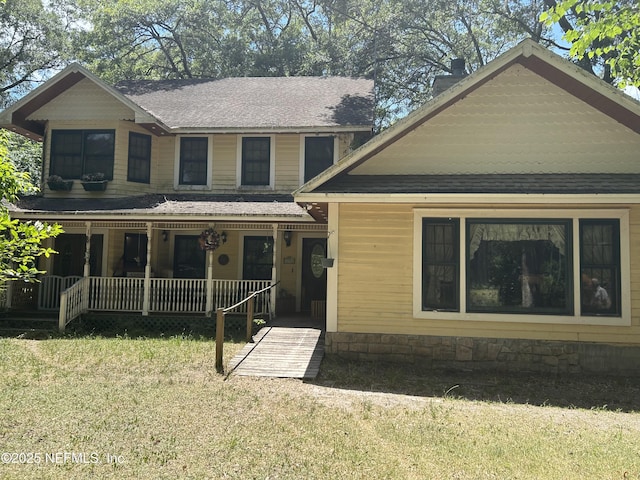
(209, 239)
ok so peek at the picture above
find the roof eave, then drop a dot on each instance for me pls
(14, 118)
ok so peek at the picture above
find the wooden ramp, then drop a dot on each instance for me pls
(281, 352)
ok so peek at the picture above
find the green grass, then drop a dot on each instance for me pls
(158, 405)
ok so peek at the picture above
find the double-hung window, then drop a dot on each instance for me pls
(194, 155)
(562, 268)
(78, 152)
(318, 155)
(256, 161)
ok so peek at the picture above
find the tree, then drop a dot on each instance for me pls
(33, 40)
(601, 33)
(403, 44)
(20, 242)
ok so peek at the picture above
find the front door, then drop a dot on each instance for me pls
(314, 276)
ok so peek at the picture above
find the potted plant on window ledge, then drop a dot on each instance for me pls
(94, 182)
(56, 182)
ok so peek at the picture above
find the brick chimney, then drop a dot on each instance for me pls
(444, 82)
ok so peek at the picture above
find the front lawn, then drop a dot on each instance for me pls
(124, 408)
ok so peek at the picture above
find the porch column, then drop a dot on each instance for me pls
(209, 302)
(274, 270)
(87, 251)
(147, 274)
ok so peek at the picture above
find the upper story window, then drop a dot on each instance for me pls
(319, 155)
(194, 154)
(256, 161)
(139, 166)
(78, 152)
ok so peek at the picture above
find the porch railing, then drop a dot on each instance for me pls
(116, 294)
(50, 288)
(166, 295)
(73, 303)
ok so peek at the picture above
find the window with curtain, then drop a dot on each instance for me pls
(78, 152)
(440, 264)
(600, 267)
(139, 165)
(519, 266)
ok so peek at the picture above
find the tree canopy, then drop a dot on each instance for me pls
(605, 33)
(20, 242)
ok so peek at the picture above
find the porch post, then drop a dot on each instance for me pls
(147, 274)
(274, 270)
(209, 304)
(87, 251)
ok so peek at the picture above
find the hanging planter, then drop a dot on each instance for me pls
(94, 182)
(209, 240)
(326, 262)
(57, 183)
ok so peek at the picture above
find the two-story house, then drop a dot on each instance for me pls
(175, 196)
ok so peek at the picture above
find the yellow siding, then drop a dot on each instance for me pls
(375, 284)
(119, 186)
(163, 162)
(516, 115)
(287, 163)
(83, 101)
(224, 162)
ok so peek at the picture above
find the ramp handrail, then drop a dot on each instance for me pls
(221, 312)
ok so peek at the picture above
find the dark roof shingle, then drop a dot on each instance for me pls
(255, 102)
(569, 183)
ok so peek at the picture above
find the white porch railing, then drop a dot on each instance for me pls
(73, 303)
(50, 289)
(119, 294)
(230, 292)
(167, 295)
(185, 295)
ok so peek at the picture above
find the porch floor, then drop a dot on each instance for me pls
(281, 351)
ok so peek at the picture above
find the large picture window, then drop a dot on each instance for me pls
(519, 266)
(193, 160)
(139, 165)
(564, 268)
(78, 152)
(256, 161)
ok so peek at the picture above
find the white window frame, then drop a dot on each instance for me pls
(272, 163)
(336, 147)
(176, 166)
(574, 215)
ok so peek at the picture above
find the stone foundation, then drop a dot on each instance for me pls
(495, 354)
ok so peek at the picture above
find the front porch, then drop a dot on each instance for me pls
(74, 296)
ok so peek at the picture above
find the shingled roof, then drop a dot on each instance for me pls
(183, 206)
(556, 183)
(256, 102)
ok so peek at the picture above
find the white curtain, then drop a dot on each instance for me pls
(513, 232)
